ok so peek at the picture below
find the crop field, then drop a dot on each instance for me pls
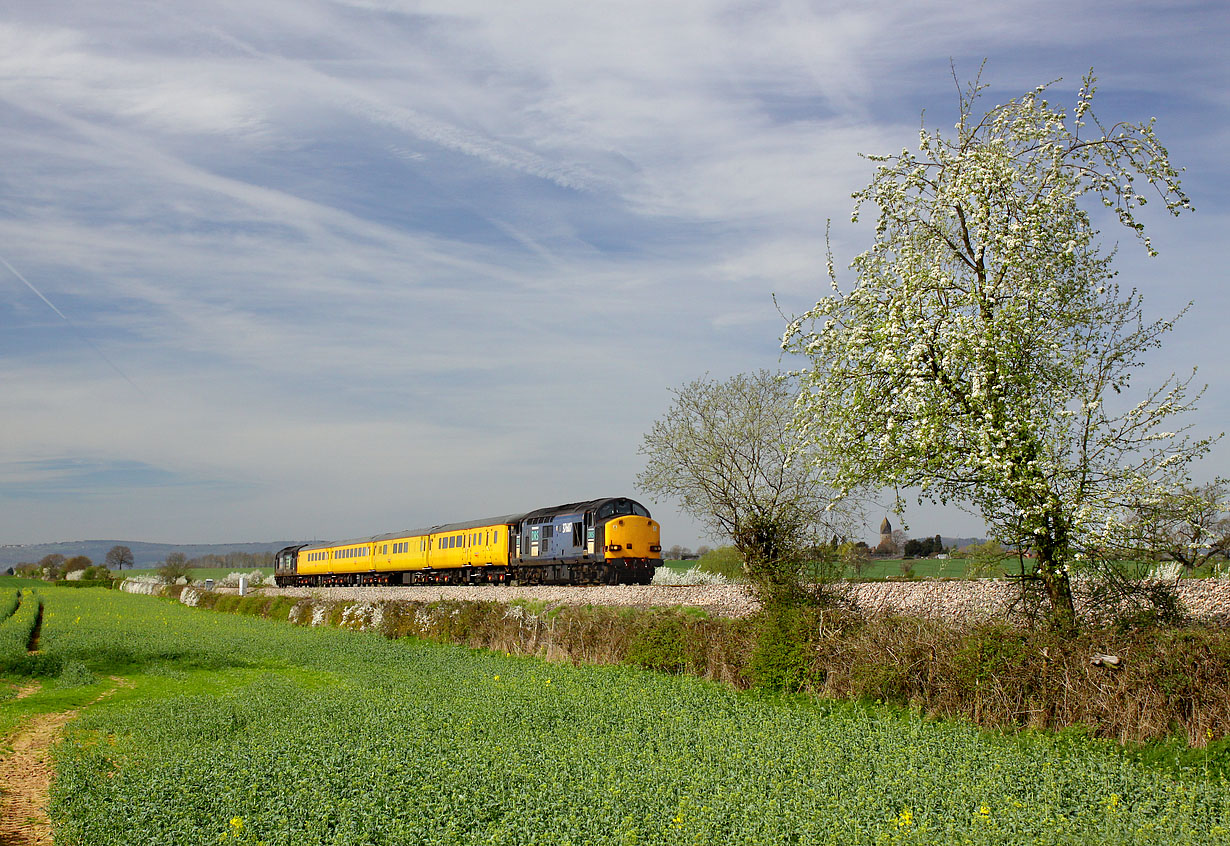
(241, 730)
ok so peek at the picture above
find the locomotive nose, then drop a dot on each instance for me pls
(633, 537)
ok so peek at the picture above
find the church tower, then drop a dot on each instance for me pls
(886, 539)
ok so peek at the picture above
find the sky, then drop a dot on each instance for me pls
(293, 270)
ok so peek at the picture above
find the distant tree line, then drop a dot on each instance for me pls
(924, 548)
(56, 567)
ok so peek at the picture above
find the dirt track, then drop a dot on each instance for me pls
(26, 774)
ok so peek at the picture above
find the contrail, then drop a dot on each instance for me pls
(74, 326)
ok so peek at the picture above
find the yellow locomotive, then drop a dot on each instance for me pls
(602, 541)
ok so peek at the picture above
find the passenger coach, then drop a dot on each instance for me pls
(602, 541)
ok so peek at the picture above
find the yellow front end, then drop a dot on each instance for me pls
(633, 537)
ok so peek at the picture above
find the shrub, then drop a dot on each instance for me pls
(785, 654)
(662, 645)
(256, 578)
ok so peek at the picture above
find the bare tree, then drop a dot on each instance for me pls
(51, 566)
(174, 568)
(727, 453)
(119, 557)
(77, 562)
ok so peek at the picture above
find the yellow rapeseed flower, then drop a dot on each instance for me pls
(236, 823)
(905, 819)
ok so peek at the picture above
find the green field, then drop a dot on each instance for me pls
(246, 730)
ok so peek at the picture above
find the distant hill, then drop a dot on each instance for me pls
(144, 554)
(949, 543)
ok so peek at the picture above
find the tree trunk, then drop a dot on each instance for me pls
(1058, 586)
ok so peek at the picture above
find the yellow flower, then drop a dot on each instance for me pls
(236, 823)
(905, 819)
(497, 678)
(984, 811)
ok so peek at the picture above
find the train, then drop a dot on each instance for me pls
(598, 542)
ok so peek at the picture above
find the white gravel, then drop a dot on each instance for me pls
(719, 600)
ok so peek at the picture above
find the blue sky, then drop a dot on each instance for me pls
(325, 269)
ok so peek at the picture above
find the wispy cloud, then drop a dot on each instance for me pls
(378, 263)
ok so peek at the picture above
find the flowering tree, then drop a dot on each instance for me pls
(982, 349)
(1189, 525)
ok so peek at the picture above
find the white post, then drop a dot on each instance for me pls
(243, 585)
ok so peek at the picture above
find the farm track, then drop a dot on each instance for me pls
(26, 773)
(720, 600)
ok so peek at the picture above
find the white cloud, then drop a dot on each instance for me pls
(357, 254)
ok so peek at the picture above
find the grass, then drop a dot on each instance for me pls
(244, 730)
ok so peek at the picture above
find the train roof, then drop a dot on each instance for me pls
(443, 528)
(571, 507)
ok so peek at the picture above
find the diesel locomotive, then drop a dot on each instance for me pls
(600, 542)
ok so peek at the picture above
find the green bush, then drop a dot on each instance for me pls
(661, 645)
(75, 674)
(785, 653)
